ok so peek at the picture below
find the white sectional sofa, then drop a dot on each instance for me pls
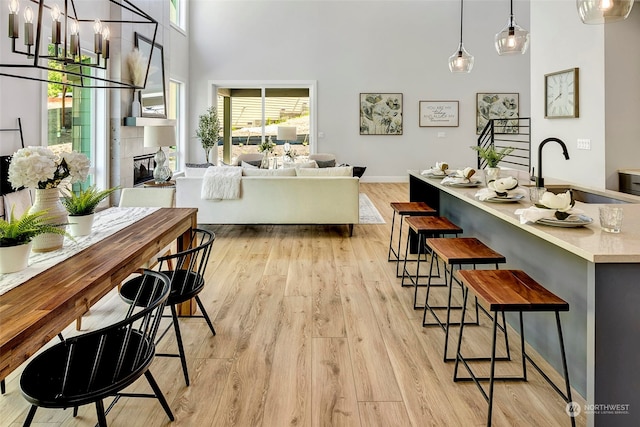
(277, 200)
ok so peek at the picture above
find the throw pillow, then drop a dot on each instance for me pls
(198, 165)
(337, 171)
(268, 172)
(255, 163)
(326, 163)
(307, 165)
(249, 165)
(195, 170)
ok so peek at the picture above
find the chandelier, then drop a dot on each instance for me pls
(64, 46)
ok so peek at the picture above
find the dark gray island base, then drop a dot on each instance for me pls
(597, 273)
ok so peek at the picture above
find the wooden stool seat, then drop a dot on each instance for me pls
(510, 290)
(404, 209)
(424, 227)
(412, 208)
(432, 225)
(464, 250)
(457, 252)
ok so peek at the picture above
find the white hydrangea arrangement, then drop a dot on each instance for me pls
(41, 168)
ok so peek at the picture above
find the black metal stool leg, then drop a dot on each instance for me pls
(393, 224)
(493, 367)
(564, 365)
(398, 248)
(30, 415)
(404, 265)
(2, 386)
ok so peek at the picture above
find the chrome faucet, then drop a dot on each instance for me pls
(539, 178)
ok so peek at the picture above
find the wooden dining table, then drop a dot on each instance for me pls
(34, 312)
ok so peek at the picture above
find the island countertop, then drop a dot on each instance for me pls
(594, 271)
(589, 242)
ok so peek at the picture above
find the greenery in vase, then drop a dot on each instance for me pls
(491, 155)
(22, 230)
(267, 146)
(208, 130)
(84, 202)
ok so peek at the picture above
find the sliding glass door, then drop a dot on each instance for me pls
(251, 114)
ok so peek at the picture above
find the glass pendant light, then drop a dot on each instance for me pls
(461, 61)
(603, 11)
(513, 38)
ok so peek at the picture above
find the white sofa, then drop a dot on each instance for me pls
(277, 200)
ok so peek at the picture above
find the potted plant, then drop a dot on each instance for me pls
(16, 236)
(42, 170)
(209, 132)
(81, 206)
(493, 158)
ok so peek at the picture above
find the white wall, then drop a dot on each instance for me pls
(622, 102)
(351, 47)
(609, 105)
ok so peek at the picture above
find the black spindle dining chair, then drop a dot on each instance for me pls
(187, 280)
(88, 368)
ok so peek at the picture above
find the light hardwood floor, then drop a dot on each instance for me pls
(313, 329)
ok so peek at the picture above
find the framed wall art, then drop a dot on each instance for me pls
(380, 114)
(504, 107)
(152, 97)
(438, 113)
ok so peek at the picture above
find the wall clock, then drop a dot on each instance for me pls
(561, 94)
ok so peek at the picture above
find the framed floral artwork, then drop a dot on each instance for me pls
(380, 114)
(503, 107)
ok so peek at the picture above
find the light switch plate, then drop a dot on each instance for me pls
(584, 144)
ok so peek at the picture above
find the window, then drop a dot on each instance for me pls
(174, 112)
(177, 13)
(72, 123)
(251, 114)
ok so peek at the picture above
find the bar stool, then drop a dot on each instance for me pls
(454, 252)
(514, 291)
(423, 227)
(405, 209)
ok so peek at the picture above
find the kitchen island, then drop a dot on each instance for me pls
(597, 273)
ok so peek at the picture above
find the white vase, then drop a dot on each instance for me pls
(80, 225)
(49, 200)
(136, 108)
(213, 155)
(14, 258)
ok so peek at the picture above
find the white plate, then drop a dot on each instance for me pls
(510, 199)
(464, 184)
(580, 221)
(428, 175)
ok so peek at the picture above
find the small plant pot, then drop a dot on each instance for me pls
(14, 258)
(80, 225)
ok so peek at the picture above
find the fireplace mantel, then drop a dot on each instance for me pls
(148, 121)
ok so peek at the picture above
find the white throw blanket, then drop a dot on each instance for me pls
(221, 182)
